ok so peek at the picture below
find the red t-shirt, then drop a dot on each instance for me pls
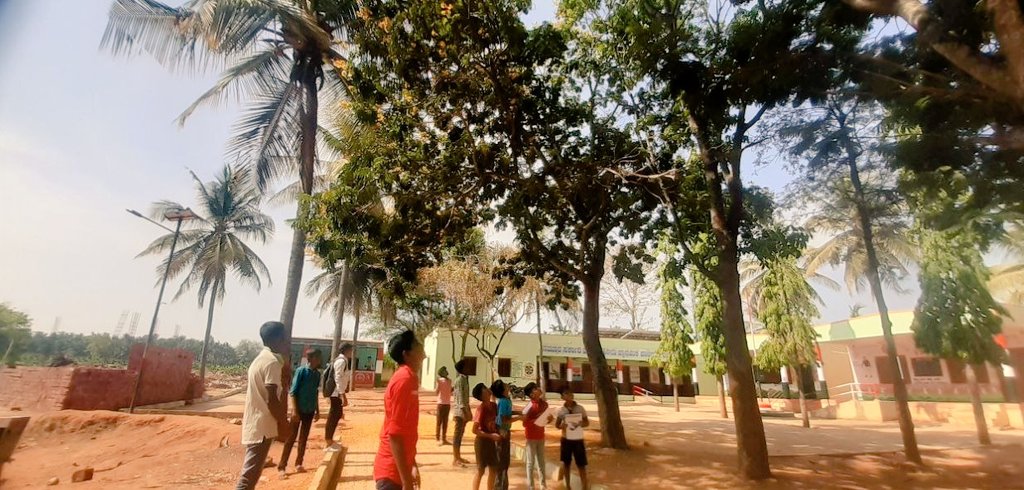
(533, 412)
(486, 417)
(401, 418)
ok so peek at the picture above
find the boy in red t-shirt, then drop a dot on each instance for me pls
(536, 409)
(395, 468)
(485, 427)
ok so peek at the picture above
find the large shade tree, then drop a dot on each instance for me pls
(709, 73)
(839, 144)
(280, 56)
(215, 244)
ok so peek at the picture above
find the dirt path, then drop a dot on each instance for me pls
(689, 449)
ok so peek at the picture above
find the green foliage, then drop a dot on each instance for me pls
(788, 310)
(673, 354)
(710, 325)
(109, 350)
(15, 332)
(956, 317)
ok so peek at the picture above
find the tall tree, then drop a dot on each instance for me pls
(282, 55)
(956, 317)
(15, 333)
(486, 121)
(787, 313)
(709, 330)
(840, 147)
(215, 244)
(711, 72)
(673, 354)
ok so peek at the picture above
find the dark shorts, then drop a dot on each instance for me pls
(486, 453)
(574, 450)
(386, 484)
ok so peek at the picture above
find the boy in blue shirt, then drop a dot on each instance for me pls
(504, 422)
(305, 409)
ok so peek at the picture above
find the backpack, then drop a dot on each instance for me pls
(327, 381)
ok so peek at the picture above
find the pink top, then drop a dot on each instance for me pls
(444, 391)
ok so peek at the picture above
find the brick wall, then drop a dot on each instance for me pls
(167, 377)
(99, 389)
(34, 388)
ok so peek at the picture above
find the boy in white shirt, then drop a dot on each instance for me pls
(264, 418)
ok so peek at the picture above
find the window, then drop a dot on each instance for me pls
(504, 367)
(885, 372)
(470, 366)
(958, 373)
(926, 367)
(769, 377)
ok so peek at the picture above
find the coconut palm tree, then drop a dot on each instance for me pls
(752, 279)
(214, 245)
(890, 232)
(1007, 280)
(281, 57)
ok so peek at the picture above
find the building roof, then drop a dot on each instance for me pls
(625, 333)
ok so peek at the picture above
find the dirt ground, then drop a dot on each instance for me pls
(690, 449)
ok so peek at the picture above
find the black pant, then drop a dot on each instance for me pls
(441, 433)
(305, 422)
(333, 416)
(386, 484)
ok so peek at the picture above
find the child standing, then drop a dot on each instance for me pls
(306, 410)
(504, 422)
(536, 409)
(444, 406)
(572, 418)
(486, 430)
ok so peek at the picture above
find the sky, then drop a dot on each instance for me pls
(85, 136)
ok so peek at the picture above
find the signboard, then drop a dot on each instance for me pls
(579, 351)
(363, 379)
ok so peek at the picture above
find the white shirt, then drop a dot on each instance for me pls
(341, 376)
(257, 421)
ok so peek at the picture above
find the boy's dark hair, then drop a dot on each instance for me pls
(478, 391)
(314, 354)
(498, 389)
(443, 371)
(529, 388)
(459, 366)
(271, 332)
(399, 345)
(347, 346)
(564, 389)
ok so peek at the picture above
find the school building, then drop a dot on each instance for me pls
(559, 359)
(852, 363)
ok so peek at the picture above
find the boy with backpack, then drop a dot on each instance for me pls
(306, 410)
(335, 385)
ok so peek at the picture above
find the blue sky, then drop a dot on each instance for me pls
(83, 136)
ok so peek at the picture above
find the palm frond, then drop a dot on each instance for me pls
(256, 73)
(158, 29)
(269, 128)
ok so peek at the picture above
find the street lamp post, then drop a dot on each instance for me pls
(178, 215)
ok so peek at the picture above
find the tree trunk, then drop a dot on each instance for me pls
(803, 398)
(541, 376)
(752, 447)
(7, 353)
(206, 338)
(721, 396)
(675, 393)
(874, 279)
(355, 343)
(297, 256)
(612, 433)
(339, 314)
(979, 411)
